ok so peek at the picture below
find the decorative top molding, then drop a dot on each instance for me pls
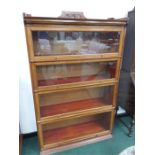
(72, 15)
(73, 18)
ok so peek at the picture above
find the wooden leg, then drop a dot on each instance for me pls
(131, 128)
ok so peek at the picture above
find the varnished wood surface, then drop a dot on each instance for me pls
(75, 114)
(52, 151)
(75, 85)
(72, 106)
(68, 80)
(77, 61)
(61, 59)
(105, 117)
(73, 131)
(60, 136)
(64, 21)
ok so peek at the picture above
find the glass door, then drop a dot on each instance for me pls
(47, 43)
(49, 74)
(73, 130)
(71, 101)
(65, 44)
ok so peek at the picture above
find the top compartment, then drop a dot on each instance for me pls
(57, 42)
(47, 43)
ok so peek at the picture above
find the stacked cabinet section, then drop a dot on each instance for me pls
(75, 67)
(75, 130)
(49, 75)
(74, 43)
(74, 101)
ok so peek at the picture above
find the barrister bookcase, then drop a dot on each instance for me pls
(75, 68)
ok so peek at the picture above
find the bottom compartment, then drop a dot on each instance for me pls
(75, 130)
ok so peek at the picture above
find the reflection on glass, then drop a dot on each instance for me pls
(74, 100)
(69, 73)
(74, 43)
(55, 132)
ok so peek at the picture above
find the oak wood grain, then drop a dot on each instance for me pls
(72, 106)
(71, 132)
(71, 125)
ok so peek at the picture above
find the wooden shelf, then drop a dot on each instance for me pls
(73, 132)
(69, 80)
(51, 110)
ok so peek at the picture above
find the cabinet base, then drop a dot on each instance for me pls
(74, 145)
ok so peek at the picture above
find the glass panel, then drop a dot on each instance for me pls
(75, 128)
(74, 100)
(69, 73)
(74, 43)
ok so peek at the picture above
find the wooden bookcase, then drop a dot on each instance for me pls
(75, 68)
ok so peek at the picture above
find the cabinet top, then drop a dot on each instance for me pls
(69, 21)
